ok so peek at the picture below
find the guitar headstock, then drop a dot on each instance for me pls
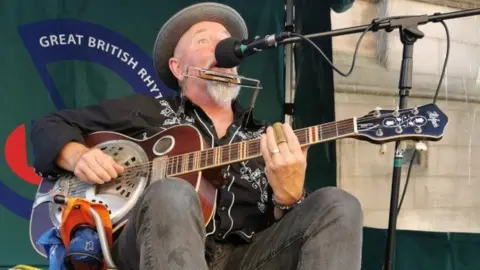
(426, 122)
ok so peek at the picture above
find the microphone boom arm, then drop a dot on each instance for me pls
(388, 24)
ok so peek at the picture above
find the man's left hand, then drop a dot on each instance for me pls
(285, 163)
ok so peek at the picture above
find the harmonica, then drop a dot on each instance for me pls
(219, 77)
(226, 78)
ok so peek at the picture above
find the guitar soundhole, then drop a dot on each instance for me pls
(163, 145)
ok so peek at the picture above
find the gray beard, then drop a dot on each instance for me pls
(222, 94)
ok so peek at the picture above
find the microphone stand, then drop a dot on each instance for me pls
(409, 34)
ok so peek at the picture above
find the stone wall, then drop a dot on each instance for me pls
(443, 193)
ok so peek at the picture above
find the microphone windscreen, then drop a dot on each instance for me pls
(225, 53)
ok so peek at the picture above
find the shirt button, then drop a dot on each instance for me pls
(219, 234)
(223, 208)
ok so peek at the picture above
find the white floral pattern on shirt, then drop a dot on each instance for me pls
(258, 181)
(250, 135)
(172, 117)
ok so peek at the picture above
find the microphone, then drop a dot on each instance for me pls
(230, 52)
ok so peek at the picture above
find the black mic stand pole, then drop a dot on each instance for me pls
(409, 34)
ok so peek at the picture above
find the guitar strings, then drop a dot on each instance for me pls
(323, 129)
(176, 163)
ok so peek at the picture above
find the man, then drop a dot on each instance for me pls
(263, 219)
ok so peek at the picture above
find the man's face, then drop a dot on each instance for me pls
(196, 48)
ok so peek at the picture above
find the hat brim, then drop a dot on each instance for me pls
(171, 32)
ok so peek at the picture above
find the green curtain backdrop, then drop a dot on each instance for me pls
(314, 99)
(41, 75)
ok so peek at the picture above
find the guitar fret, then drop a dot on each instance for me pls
(332, 131)
(211, 157)
(203, 159)
(224, 154)
(214, 156)
(231, 153)
(184, 163)
(173, 165)
(251, 147)
(236, 152)
(257, 148)
(190, 161)
(304, 136)
(196, 160)
(310, 135)
(241, 150)
(244, 150)
(168, 167)
(179, 165)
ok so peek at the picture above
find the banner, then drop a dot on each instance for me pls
(58, 54)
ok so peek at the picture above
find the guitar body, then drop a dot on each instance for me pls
(121, 194)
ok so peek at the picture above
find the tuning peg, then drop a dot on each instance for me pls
(415, 110)
(420, 146)
(376, 113)
(396, 113)
(383, 149)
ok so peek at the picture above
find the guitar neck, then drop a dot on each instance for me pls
(245, 150)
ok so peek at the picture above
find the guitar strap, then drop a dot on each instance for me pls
(79, 236)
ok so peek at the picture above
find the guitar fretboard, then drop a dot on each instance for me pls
(236, 152)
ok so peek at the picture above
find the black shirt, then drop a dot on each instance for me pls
(244, 205)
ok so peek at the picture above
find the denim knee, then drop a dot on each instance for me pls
(343, 205)
(170, 195)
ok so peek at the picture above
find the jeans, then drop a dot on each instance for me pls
(166, 231)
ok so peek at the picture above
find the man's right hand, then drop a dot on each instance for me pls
(90, 165)
(96, 167)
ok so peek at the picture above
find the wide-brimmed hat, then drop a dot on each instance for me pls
(178, 24)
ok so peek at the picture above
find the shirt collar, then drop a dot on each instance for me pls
(240, 114)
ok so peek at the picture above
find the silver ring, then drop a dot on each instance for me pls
(276, 151)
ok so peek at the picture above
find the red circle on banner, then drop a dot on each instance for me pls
(16, 156)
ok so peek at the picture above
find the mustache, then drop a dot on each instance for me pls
(212, 62)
